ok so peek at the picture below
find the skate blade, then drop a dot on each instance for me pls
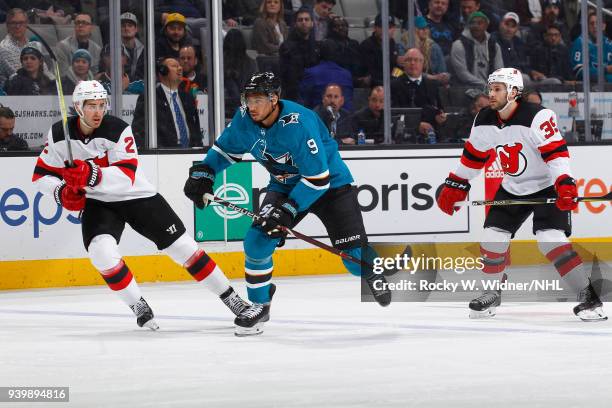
(595, 315)
(484, 314)
(249, 331)
(151, 324)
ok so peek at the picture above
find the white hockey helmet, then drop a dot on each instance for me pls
(87, 90)
(512, 77)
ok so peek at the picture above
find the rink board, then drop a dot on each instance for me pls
(41, 244)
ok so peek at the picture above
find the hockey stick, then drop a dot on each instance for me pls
(296, 234)
(60, 93)
(531, 201)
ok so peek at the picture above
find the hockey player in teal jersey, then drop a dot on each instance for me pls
(307, 174)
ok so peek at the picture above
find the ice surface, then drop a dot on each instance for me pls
(322, 348)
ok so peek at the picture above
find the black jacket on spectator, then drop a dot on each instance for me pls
(514, 52)
(552, 61)
(296, 54)
(12, 143)
(166, 131)
(347, 55)
(344, 125)
(407, 94)
(372, 126)
(164, 49)
(371, 55)
(21, 84)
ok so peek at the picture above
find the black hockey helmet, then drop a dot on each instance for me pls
(262, 82)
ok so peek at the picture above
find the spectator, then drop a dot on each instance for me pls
(81, 39)
(104, 76)
(576, 52)
(413, 90)
(193, 77)
(529, 11)
(534, 97)
(475, 55)
(551, 61)
(134, 48)
(31, 78)
(468, 7)
(435, 65)
(325, 72)
(371, 50)
(549, 17)
(371, 118)
(514, 52)
(79, 71)
(455, 131)
(443, 31)
(239, 68)
(322, 14)
(173, 37)
(270, 29)
(339, 123)
(11, 45)
(171, 102)
(347, 49)
(299, 52)
(8, 140)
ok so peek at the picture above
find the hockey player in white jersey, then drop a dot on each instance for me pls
(535, 160)
(106, 184)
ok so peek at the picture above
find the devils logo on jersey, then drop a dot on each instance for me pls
(513, 161)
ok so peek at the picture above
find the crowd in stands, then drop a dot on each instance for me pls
(327, 58)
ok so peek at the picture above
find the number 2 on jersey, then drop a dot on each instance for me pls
(129, 144)
(549, 127)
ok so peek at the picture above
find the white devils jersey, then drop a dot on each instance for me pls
(529, 147)
(111, 146)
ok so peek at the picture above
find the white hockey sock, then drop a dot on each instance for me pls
(205, 270)
(121, 281)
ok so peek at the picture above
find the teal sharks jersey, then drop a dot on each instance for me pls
(297, 150)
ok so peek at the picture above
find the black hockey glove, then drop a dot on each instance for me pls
(200, 182)
(281, 215)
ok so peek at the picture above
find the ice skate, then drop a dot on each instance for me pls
(144, 315)
(485, 305)
(590, 308)
(233, 301)
(250, 322)
(382, 295)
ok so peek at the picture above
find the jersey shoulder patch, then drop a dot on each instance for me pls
(486, 117)
(111, 128)
(289, 119)
(525, 114)
(57, 130)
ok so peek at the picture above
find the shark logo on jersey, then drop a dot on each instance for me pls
(513, 161)
(281, 168)
(289, 118)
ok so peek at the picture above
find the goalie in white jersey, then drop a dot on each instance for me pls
(535, 161)
(106, 184)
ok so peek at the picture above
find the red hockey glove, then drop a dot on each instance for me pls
(566, 193)
(83, 174)
(69, 198)
(455, 189)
